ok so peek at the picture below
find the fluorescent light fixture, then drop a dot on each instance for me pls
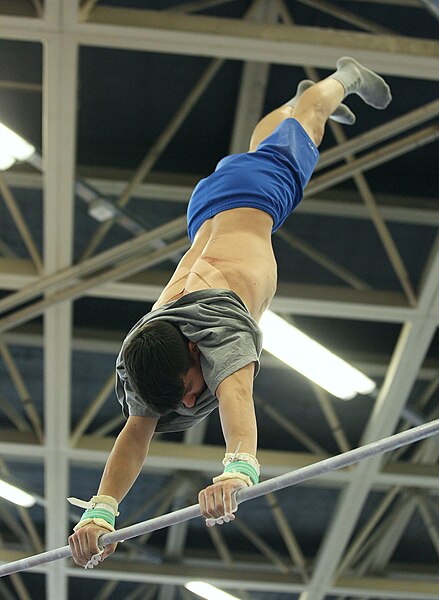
(311, 359)
(210, 592)
(12, 148)
(6, 160)
(15, 495)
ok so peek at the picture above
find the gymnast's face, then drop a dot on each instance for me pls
(193, 380)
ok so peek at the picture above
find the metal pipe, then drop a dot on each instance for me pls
(379, 134)
(157, 149)
(271, 485)
(21, 225)
(323, 260)
(373, 159)
(92, 410)
(123, 270)
(347, 16)
(109, 257)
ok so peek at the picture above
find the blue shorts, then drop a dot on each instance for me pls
(272, 179)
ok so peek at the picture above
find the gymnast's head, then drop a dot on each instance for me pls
(163, 367)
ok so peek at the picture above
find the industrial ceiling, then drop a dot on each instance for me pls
(129, 103)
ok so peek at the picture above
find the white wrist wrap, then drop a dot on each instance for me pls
(230, 457)
(99, 522)
(233, 475)
(101, 510)
(240, 465)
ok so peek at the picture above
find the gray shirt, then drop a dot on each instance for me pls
(227, 337)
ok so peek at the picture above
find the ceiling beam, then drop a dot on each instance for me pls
(409, 354)
(167, 32)
(260, 580)
(342, 204)
(167, 457)
(160, 31)
(60, 56)
(300, 299)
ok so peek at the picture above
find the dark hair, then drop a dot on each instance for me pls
(156, 358)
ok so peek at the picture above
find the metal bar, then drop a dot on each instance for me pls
(92, 410)
(86, 8)
(104, 259)
(378, 221)
(11, 522)
(288, 536)
(432, 6)
(427, 394)
(429, 523)
(20, 223)
(123, 270)
(347, 16)
(13, 415)
(379, 134)
(235, 39)
(38, 8)
(331, 418)
(143, 592)
(19, 587)
(373, 159)
(262, 546)
(22, 390)
(272, 485)
(157, 148)
(361, 538)
(187, 7)
(7, 250)
(291, 428)
(323, 260)
(23, 86)
(29, 525)
(108, 426)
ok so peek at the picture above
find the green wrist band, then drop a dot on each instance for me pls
(243, 467)
(99, 513)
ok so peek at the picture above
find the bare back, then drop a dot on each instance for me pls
(233, 251)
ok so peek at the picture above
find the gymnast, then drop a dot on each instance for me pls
(199, 347)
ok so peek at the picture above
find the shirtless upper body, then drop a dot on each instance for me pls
(228, 254)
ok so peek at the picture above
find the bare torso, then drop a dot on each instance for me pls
(233, 251)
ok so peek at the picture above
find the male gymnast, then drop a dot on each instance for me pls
(199, 347)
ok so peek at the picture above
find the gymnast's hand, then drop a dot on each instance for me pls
(218, 501)
(84, 546)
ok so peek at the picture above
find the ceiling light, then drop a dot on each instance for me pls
(12, 148)
(312, 360)
(210, 592)
(15, 495)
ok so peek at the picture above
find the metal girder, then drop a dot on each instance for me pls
(343, 204)
(163, 31)
(300, 299)
(90, 340)
(412, 346)
(168, 457)
(253, 87)
(59, 127)
(256, 577)
(231, 38)
(260, 580)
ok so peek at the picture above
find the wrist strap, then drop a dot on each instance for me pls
(242, 466)
(99, 522)
(100, 509)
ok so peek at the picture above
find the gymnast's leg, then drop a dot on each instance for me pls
(314, 104)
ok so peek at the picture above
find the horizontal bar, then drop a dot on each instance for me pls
(271, 485)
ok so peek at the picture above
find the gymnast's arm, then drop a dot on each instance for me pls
(238, 422)
(121, 471)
